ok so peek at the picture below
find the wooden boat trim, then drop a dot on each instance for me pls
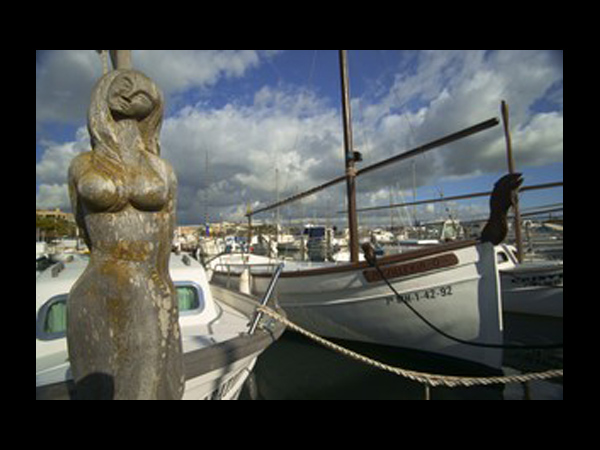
(411, 268)
(384, 261)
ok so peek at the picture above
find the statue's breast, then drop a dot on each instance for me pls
(99, 192)
(149, 192)
(145, 189)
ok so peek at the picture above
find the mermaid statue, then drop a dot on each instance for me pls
(123, 331)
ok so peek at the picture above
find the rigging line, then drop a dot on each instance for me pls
(369, 253)
(427, 158)
(313, 66)
(523, 189)
(394, 159)
(311, 75)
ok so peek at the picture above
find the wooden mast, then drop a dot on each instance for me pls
(512, 169)
(349, 157)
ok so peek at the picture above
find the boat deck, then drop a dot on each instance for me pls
(229, 324)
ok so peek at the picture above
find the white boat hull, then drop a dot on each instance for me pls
(532, 288)
(457, 289)
(534, 301)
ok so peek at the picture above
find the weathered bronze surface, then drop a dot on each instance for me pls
(123, 332)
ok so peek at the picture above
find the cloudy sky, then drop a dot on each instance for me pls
(263, 118)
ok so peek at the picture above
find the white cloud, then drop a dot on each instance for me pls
(541, 140)
(446, 91)
(54, 164)
(194, 68)
(51, 196)
(52, 169)
(64, 78)
(298, 132)
(286, 129)
(63, 83)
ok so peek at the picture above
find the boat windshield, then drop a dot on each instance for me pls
(52, 319)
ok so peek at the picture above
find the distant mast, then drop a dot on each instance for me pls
(350, 158)
(206, 193)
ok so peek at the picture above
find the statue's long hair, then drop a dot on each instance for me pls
(104, 129)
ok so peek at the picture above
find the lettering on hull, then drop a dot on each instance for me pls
(413, 268)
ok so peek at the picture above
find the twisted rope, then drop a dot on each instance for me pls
(428, 379)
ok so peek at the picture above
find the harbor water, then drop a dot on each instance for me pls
(296, 368)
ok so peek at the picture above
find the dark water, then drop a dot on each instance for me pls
(295, 368)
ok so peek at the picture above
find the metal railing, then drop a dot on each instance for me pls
(266, 298)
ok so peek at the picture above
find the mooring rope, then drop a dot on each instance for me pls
(428, 379)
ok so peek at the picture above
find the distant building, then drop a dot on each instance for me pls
(54, 214)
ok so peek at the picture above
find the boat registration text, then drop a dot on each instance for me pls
(427, 294)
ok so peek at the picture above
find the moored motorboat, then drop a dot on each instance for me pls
(532, 288)
(219, 350)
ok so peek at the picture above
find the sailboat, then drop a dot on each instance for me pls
(455, 286)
